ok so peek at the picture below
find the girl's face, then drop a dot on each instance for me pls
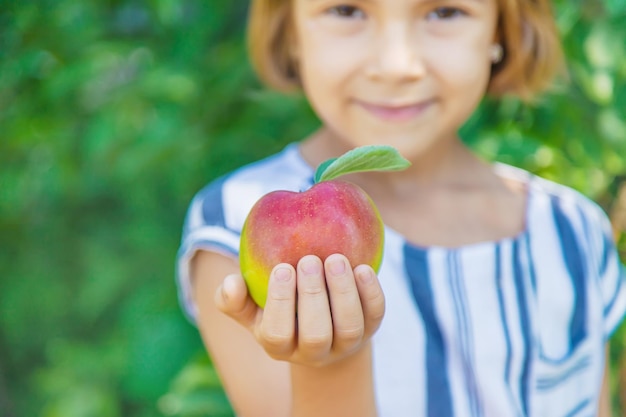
(407, 73)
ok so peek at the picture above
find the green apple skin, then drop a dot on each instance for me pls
(283, 226)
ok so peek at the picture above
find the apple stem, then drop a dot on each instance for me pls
(362, 159)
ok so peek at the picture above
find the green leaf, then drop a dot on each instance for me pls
(362, 159)
(322, 167)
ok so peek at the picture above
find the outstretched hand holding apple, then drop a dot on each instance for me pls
(338, 309)
(309, 291)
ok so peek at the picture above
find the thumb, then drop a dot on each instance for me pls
(232, 299)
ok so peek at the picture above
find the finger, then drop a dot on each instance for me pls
(372, 298)
(315, 332)
(345, 303)
(232, 299)
(277, 328)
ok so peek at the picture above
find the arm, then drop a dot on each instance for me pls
(256, 384)
(326, 358)
(604, 406)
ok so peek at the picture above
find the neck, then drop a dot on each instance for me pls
(449, 163)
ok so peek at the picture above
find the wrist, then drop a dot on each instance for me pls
(343, 388)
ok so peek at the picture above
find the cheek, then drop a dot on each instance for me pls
(326, 74)
(329, 58)
(327, 64)
(463, 65)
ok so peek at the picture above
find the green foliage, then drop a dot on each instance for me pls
(196, 391)
(114, 113)
(576, 136)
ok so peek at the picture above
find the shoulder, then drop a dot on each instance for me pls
(570, 226)
(228, 199)
(570, 203)
(562, 220)
(561, 199)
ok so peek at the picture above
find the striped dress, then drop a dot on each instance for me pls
(514, 327)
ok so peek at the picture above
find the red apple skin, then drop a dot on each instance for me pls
(331, 217)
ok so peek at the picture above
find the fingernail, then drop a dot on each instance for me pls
(282, 274)
(310, 266)
(365, 275)
(228, 286)
(337, 266)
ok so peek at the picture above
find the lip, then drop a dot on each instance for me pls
(396, 112)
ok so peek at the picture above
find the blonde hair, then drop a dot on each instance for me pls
(527, 31)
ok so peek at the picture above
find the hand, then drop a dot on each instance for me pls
(314, 316)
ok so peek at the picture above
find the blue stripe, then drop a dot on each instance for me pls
(439, 398)
(462, 316)
(503, 318)
(617, 292)
(527, 239)
(549, 383)
(607, 251)
(579, 407)
(609, 256)
(531, 264)
(213, 203)
(572, 255)
(585, 225)
(524, 324)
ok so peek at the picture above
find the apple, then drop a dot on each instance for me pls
(330, 217)
(333, 216)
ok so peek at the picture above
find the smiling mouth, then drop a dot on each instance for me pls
(398, 113)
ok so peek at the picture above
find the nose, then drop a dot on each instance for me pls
(396, 55)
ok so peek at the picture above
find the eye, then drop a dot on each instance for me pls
(443, 13)
(346, 11)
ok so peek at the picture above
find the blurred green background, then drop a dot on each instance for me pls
(114, 113)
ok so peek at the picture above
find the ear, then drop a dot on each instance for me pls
(496, 52)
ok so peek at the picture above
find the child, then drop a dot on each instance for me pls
(498, 289)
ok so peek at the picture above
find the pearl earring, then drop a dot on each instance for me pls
(496, 53)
